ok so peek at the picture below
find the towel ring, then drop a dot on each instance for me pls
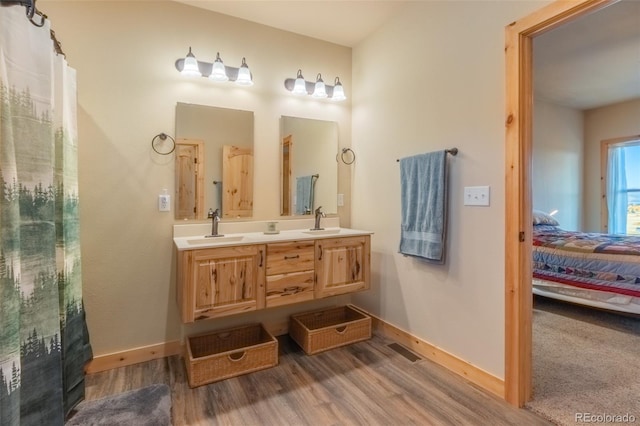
(163, 137)
(344, 151)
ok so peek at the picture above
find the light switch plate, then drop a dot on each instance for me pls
(476, 195)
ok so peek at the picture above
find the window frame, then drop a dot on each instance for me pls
(605, 145)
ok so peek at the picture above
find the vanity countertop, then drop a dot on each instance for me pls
(202, 241)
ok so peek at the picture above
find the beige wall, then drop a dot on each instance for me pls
(557, 162)
(433, 78)
(128, 89)
(614, 121)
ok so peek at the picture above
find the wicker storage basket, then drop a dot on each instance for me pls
(228, 353)
(326, 329)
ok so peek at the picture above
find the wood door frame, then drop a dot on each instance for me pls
(199, 178)
(285, 175)
(518, 139)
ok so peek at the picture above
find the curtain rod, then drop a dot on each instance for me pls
(452, 151)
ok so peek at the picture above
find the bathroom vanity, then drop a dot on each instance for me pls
(248, 271)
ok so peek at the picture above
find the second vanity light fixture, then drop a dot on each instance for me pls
(216, 71)
(319, 90)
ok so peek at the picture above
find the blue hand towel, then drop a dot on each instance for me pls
(303, 193)
(423, 185)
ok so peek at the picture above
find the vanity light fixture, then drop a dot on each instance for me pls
(317, 89)
(244, 75)
(190, 67)
(216, 71)
(338, 91)
(300, 86)
(320, 89)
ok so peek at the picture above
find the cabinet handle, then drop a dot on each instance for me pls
(320, 257)
(297, 256)
(260, 265)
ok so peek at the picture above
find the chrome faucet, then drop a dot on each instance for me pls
(319, 215)
(215, 219)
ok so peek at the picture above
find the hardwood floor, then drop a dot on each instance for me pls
(366, 383)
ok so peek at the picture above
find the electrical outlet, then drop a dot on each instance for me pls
(164, 202)
(340, 200)
(476, 195)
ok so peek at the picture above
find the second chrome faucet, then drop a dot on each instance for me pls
(215, 219)
(319, 215)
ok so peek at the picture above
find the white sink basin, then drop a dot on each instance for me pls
(323, 231)
(213, 240)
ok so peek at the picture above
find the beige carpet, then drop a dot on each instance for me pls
(586, 365)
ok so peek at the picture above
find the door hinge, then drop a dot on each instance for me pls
(521, 236)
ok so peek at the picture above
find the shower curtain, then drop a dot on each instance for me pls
(43, 337)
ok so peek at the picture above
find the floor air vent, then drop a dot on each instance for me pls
(404, 352)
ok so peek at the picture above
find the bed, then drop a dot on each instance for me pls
(599, 270)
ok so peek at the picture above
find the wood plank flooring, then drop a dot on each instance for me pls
(366, 383)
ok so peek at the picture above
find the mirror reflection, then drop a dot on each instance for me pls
(309, 171)
(214, 162)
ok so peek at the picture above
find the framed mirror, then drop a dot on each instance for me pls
(309, 170)
(214, 162)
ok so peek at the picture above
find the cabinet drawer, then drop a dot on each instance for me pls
(293, 256)
(290, 288)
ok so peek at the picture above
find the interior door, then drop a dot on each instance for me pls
(237, 179)
(189, 179)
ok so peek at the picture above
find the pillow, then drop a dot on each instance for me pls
(541, 218)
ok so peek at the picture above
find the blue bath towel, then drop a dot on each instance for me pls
(423, 186)
(303, 194)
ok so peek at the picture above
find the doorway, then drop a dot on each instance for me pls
(519, 95)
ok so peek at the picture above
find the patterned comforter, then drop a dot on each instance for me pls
(588, 260)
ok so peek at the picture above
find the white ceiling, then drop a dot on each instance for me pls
(591, 62)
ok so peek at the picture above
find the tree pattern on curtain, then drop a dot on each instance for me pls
(43, 337)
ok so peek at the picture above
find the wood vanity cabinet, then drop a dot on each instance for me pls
(342, 265)
(221, 281)
(290, 269)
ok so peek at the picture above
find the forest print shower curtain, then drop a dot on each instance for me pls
(43, 338)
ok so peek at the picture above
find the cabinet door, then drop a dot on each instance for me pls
(342, 265)
(225, 281)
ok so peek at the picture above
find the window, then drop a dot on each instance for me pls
(621, 185)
